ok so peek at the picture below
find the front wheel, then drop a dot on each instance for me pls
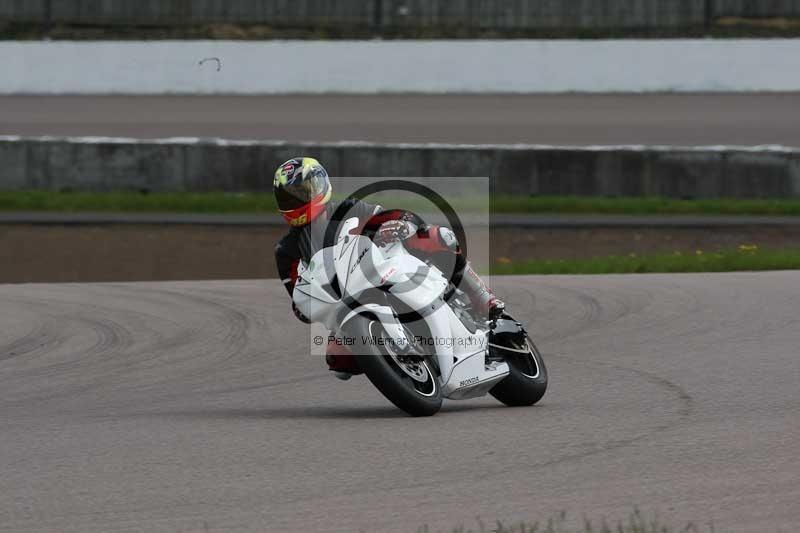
(526, 382)
(412, 384)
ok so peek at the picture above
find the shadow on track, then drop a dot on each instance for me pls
(317, 412)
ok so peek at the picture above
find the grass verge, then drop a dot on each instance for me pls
(635, 523)
(744, 258)
(220, 202)
(177, 202)
(645, 206)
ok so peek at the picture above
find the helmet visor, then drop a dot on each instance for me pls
(301, 192)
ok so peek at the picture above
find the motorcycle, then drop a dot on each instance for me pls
(412, 329)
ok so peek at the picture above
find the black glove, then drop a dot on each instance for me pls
(300, 316)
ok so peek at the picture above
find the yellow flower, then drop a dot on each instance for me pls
(748, 247)
(503, 260)
(698, 252)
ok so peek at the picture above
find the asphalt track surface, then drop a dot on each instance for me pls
(572, 119)
(193, 406)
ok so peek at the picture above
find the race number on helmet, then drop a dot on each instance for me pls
(302, 188)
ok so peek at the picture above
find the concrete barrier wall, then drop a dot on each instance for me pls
(203, 165)
(358, 67)
(496, 14)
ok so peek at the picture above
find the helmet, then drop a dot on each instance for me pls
(302, 189)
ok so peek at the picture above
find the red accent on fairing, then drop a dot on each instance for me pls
(423, 241)
(311, 210)
(340, 359)
(426, 241)
(293, 272)
(376, 220)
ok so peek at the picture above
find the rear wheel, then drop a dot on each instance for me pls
(410, 382)
(526, 382)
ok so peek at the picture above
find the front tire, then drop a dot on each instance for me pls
(412, 387)
(526, 382)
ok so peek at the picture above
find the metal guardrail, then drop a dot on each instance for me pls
(382, 14)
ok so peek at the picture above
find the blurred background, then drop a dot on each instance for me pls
(139, 138)
(260, 19)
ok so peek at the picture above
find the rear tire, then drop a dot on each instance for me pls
(526, 382)
(415, 397)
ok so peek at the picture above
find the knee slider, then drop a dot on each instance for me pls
(449, 239)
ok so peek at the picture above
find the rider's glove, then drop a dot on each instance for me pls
(300, 316)
(393, 231)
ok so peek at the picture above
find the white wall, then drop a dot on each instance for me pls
(519, 66)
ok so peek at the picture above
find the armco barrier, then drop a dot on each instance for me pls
(101, 164)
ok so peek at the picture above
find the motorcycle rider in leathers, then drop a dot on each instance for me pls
(303, 192)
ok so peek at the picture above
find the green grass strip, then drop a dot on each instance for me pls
(178, 202)
(220, 202)
(637, 522)
(744, 258)
(645, 206)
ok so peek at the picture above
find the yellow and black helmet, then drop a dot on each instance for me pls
(302, 188)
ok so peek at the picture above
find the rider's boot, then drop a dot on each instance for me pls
(484, 302)
(341, 361)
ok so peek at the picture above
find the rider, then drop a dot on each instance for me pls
(303, 193)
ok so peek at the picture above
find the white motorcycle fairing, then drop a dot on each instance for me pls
(328, 288)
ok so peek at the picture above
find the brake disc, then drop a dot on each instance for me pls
(416, 370)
